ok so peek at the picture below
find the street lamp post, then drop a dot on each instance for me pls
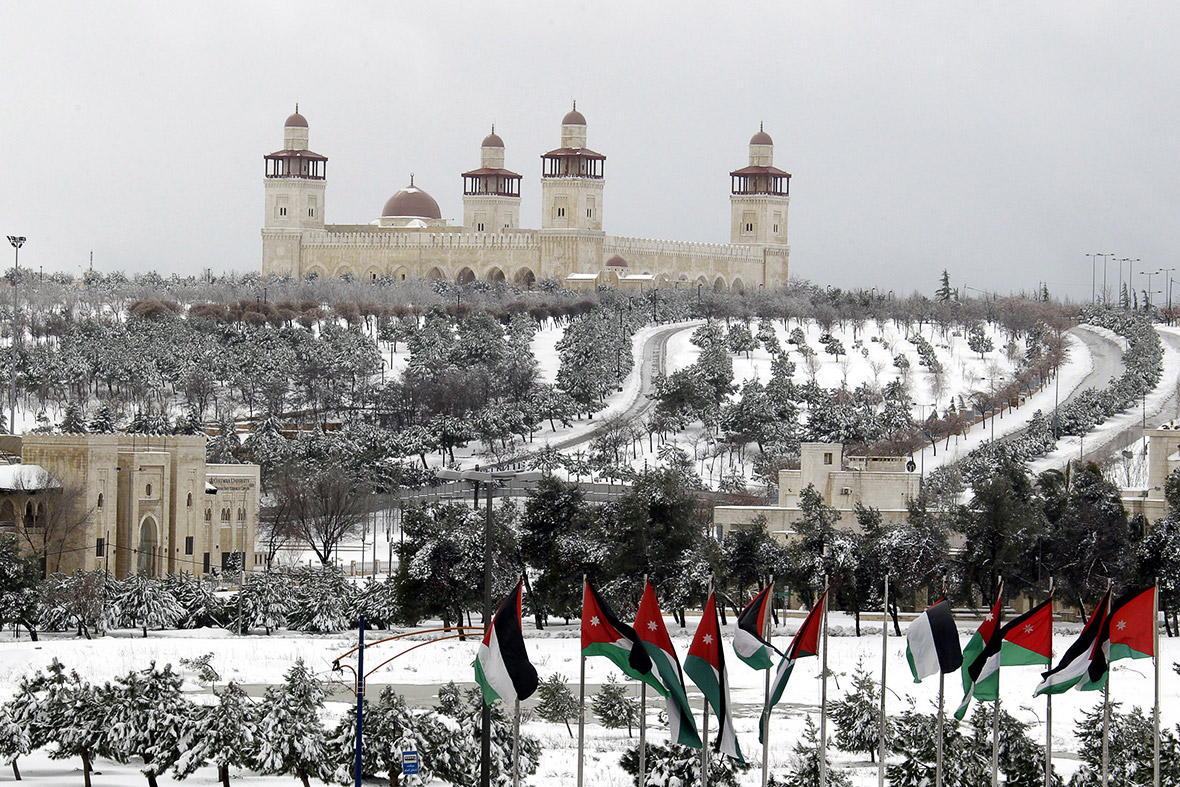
(1093, 275)
(17, 241)
(489, 479)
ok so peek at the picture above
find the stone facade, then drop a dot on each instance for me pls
(1163, 456)
(877, 482)
(150, 504)
(571, 245)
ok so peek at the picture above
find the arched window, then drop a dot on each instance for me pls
(190, 499)
(147, 491)
(241, 515)
(208, 514)
(100, 499)
(7, 515)
(225, 515)
(30, 515)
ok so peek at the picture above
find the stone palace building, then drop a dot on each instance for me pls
(410, 238)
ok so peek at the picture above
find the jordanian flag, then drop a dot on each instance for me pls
(649, 625)
(932, 642)
(981, 660)
(1028, 639)
(748, 643)
(502, 667)
(1127, 633)
(1075, 664)
(603, 634)
(706, 666)
(805, 643)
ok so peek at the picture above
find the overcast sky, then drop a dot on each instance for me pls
(1001, 141)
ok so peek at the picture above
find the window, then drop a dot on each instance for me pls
(190, 500)
(147, 491)
(100, 499)
(241, 515)
(205, 563)
(479, 227)
(225, 515)
(282, 211)
(827, 457)
(100, 547)
(208, 514)
(311, 212)
(560, 212)
(749, 227)
(188, 545)
(589, 213)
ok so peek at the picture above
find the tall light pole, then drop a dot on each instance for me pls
(17, 241)
(488, 479)
(1093, 275)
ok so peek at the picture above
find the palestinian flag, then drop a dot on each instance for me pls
(805, 643)
(649, 625)
(748, 643)
(706, 666)
(1075, 664)
(1028, 639)
(502, 667)
(981, 660)
(603, 634)
(932, 642)
(1127, 633)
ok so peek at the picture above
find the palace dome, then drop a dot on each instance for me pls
(761, 138)
(616, 262)
(492, 140)
(296, 120)
(573, 118)
(412, 201)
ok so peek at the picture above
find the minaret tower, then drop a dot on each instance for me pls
(760, 194)
(295, 181)
(571, 180)
(491, 194)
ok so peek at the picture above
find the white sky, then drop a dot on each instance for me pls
(1002, 141)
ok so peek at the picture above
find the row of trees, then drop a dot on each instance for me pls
(143, 716)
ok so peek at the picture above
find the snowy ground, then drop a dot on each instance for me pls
(258, 660)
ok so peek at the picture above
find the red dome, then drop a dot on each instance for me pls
(616, 262)
(296, 120)
(573, 118)
(492, 141)
(413, 202)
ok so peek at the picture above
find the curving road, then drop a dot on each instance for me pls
(652, 364)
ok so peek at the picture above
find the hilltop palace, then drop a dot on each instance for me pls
(412, 240)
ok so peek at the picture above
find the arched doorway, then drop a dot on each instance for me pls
(738, 287)
(465, 277)
(435, 273)
(525, 279)
(495, 276)
(145, 551)
(719, 285)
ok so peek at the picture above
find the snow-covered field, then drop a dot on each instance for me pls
(257, 660)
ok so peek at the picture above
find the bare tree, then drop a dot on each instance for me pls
(321, 506)
(54, 517)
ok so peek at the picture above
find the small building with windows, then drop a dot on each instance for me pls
(886, 483)
(146, 504)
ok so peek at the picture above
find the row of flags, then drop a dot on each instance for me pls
(644, 651)
(1119, 629)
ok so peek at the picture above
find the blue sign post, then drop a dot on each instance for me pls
(409, 763)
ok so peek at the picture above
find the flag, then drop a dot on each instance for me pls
(1076, 661)
(805, 643)
(705, 664)
(748, 643)
(603, 634)
(649, 625)
(932, 642)
(502, 667)
(1028, 639)
(981, 660)
(1127, 633)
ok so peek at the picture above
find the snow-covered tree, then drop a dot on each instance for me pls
(556, 702)
(73, 419)
(148, 603)
(457, 759)
(978, 341)
(291, 738)
(857, 716)
(613, 707)
(266, 600)
(390, 727)
(146, 718)
(14, 740)
(103, 420)
(200, 606)
(672, 765)
(225, 734)
(320, 600)
(740, 339)
(58, 708)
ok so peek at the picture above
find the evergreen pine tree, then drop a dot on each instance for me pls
(103, 420)
(73, 420)
(857, 716)
(1131, 749)
(672, 765)
(456, 758)
(59, 708)
(146, 718)
(944, 292)
(266, 600)
(804, 764)
(390, 727)
(556, 702)
(321, 600)
(291, 738)
(614, 708)
(14, 740)
(225, 734)
(148, 603)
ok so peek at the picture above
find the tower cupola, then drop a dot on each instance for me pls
(759, 196)
(572, 179)
(491, 194)
(294, 180)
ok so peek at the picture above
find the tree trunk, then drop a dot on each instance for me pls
(567, 729)
(32, 630)
(856, 615)
(302, 774)
(223, 774)
(16, 770)
(893, 614)
(86, 767)
(393, 777)
(151, 777)
(145, 636)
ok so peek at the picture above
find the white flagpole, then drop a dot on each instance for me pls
(516, 746)
(643, 720)
(1049, 712)
(705, 722)
(1155, 660)
(938, 743)
(823, 698)
(996, 708)
(884, 664)
(766, 700)
(582, 699)
(1106, 701)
